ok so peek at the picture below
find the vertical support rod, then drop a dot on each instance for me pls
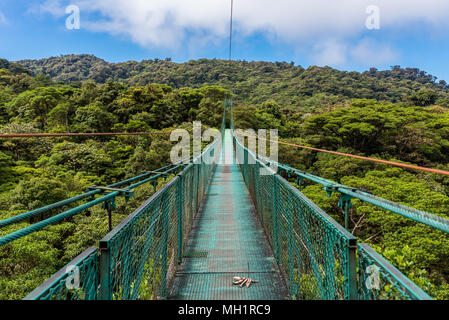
(164, 239)
(351, 272)
(345, 204)
(258, 196)
(345, 209)
(291, 253)
(105, 271)
(180, 212)
(330, 276)
(198, 167)
(192, 212)
(275, 218)
(246, 164)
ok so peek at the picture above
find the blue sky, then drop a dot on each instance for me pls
(411, 33)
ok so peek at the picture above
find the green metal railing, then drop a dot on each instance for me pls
(137, 259)
(348, 193)
(316, 254)
(78, 280)
(39, 211)
(107, 199)
(319, 258)
(379, 280)
(384, 280)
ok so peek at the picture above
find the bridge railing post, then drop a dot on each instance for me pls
(291, 212)
(105, 271)
(352, 269)
(164, 239)
(198, 185)
(246, 164)
(180, 213)
(275, 219)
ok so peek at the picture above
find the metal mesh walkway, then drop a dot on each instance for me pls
(140, 258)
(227, 239)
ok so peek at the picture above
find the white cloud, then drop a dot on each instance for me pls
(369, 51)
(331, 53)
(53, 7)
(324, 25)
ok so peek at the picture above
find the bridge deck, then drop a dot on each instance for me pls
(225, 240)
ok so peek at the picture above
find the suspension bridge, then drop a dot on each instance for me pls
(222, 216)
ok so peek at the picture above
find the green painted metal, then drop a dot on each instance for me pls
(360, 259)
(349, 193)
(226, 239)
(105, 290)
(141, 254)
(138, 249)
(180, 223)
(379, 280)
(109, 197)
(36, 212)
(55, 287)
(165, 211)
(351, 270)
(315, 253)
(83, 287)
(274, 220)
(345, 204)
(218, 219)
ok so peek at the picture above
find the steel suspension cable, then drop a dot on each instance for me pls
(230, 51)
(230, 30)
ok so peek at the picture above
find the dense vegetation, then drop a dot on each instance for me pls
(254, 82)
(35, 172)
(398, 114)
(398, 132)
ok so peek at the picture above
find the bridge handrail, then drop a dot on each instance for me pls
(71, 212)
(320, 211)
(155, 232)
(399, 286)
(330, 186)
(98, 287)
(35, 212)
(358, 256)
(83, 269)
(416, 215)
(306, 232)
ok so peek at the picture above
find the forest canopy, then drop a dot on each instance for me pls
(397, 114)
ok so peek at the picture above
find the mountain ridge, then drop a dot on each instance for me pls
(252, 82)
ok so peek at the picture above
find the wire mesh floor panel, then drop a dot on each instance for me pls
(218, 286)
(226, 239)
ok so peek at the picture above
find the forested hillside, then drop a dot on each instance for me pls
(398, 114)
(255, 82)
(35, 172)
